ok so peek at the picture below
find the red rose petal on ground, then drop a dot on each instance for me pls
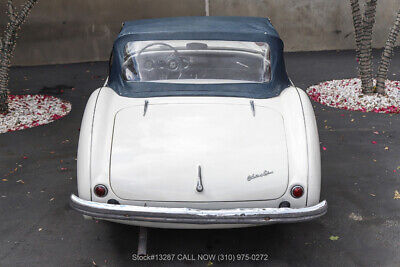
(373, 142)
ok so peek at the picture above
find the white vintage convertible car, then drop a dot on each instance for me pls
(199, 126)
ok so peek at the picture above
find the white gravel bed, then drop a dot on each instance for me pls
(27, 111)
(347, 94)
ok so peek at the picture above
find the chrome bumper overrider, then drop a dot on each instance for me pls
(259, 216)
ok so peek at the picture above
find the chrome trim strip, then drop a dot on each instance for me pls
(146, 104)
(257, 216)
(253, 109)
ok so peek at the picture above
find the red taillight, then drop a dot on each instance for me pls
(100, 190)
(297, 191)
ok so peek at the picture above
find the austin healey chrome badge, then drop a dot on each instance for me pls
(254, 176)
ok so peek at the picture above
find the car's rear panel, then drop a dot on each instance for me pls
(270, 116)
(239, 154)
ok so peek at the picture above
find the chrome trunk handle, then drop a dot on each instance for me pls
(199, 186)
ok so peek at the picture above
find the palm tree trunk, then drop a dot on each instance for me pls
(363, 35)
(370, 12)
(357, 22)
(366, 47)
(387, 56)
(3, 78)
(7, 47)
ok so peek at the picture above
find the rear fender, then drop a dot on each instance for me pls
(296, 138)
(313, 148)
(84, 148)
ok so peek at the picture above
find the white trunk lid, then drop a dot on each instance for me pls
(156, 157)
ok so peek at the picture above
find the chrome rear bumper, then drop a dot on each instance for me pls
(255, 216)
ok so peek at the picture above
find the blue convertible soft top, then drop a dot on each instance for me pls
(200, 28)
